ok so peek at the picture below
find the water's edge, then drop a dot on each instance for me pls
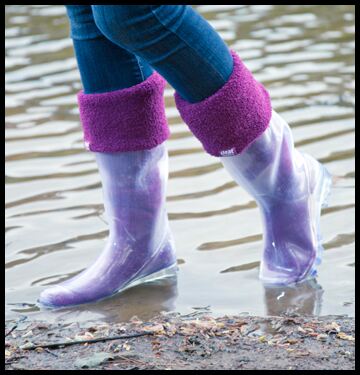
(55, 224)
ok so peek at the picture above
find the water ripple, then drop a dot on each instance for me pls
(304, 55)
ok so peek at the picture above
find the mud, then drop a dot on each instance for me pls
(192, 341)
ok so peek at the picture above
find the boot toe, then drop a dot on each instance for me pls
(56, 296)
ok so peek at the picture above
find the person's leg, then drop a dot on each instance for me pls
(175, 40)
(122, 113)
(230, 113)
(103, 66)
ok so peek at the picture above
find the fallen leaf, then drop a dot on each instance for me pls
(344, 336)
(322, 337)
(85, 336)
(158, 328)
(203, 324)
(187, 330)
(26, 345)
(332, 327)
(301, 353)
(28, 334)
(225, 332)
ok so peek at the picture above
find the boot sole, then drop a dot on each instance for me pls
(167, 272)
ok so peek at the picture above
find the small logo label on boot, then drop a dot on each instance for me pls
(228, 152)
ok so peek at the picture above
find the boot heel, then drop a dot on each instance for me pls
(326, 188)
(162, 265)
(322, 195)
(168, 272)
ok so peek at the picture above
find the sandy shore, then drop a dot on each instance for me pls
(193, 341)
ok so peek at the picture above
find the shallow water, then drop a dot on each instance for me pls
(55, 224)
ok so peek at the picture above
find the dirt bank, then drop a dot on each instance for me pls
(193, 341)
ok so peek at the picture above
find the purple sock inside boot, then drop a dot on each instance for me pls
(130, 119)
(139, 243)
(232, 118)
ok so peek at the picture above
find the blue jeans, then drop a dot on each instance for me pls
(118, 46)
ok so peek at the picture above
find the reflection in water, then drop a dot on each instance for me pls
(303, 299)
(144, 301)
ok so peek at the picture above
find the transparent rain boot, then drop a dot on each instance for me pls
(140, 246)
(290, 188)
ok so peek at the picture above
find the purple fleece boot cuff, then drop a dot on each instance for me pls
(232, 118)
(130, 119)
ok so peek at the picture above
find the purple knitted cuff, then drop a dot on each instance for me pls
(130, 119)
(232, 118)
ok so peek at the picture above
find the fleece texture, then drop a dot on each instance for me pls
(129, 119)
(233, 117)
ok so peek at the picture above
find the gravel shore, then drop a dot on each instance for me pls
(192, 341)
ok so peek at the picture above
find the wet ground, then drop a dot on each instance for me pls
(194, 341)
(55, 224)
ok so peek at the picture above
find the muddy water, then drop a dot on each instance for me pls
(55, 224)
